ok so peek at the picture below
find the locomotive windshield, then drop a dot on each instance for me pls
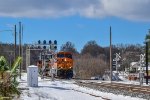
(64, 55)
(60, 55)
(68, 56)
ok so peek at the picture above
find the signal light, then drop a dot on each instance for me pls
(44, 42)
(55, 42)
(55, 47)
(44, 47)
(39, 42)
(114, 63)
(50, 42)
(39, 47)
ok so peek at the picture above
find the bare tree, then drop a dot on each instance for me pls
(92, 48)
(69, 47)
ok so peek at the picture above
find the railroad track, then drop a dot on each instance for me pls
(117, 86)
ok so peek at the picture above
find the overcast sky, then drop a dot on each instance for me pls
(128, 9)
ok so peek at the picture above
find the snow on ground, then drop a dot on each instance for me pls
(64, 90)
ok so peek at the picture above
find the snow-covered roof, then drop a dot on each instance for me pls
(134, 64)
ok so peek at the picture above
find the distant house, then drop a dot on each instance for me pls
(134, 66)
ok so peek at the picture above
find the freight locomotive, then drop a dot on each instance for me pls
(64, 65)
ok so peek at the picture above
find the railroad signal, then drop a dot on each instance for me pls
(142, 58)
(44, 47)
(55, 47)
(39, 42)
(114, 63)
(116, 60)
(55, 42)
(44, 42)
(47, 45)
(50, 42)
(39, 47)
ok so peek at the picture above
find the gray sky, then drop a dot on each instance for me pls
(126, 9)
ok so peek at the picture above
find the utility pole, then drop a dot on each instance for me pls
(146, 62)
(110, 55)
(15, 42)
(20, 47)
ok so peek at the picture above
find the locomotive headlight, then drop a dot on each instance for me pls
(70, 67)
(65, 59)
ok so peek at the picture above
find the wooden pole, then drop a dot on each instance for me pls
(15, 42)
(20, 47)
(110, 55)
